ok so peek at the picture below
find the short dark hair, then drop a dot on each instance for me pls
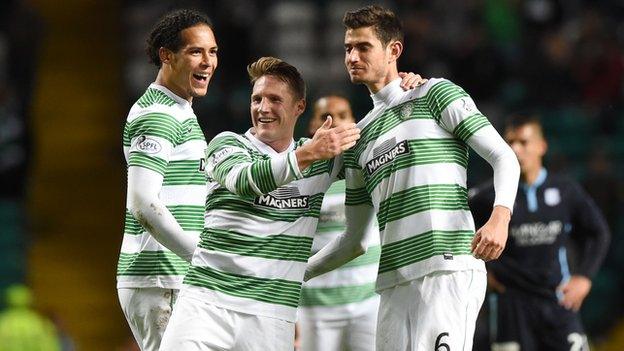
(271, 66)
(521, 119)
(385, 23)
(166, 32)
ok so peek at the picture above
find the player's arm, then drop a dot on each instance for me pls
(153, 137)
(459, 115)
(230, 163)
(350, 244)
(591, 229)
(145, 205)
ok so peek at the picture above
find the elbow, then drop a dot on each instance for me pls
(360, 249)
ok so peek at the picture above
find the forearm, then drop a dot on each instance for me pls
(256, 177)
(491, 147)
(346, 246)
(153, 215)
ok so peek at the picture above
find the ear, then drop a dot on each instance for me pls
(544, 147)
(395, 49)
(165, 55)
(301, 105)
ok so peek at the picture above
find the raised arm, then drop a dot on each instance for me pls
(229, 160)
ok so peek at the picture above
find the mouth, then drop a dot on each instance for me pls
(201, 77)
(266, 120)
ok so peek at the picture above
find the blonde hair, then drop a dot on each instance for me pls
(271, 66)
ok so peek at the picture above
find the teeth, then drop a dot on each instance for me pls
(266, 120)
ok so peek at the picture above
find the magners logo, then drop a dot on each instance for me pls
(386, 153)
(284, 198)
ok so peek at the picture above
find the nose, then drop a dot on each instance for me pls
(263, 106)
(352, 56)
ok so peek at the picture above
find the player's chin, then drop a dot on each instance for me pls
(199, 92)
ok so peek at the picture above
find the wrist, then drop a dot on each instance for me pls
(501, 214)
(305, 157)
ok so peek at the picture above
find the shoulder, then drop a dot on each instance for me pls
(228, 139)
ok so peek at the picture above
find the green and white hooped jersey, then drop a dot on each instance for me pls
(162, 134)
(348, 291)
(257, 236)
(410, 164)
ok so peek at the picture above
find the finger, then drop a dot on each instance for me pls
(328, 123)
(489, 253)
(475, 241)
(422, 82)
(402, 74)
(347, 146)
(345, 127)
(349, 140)
(348, 132)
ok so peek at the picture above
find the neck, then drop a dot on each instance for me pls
(529, 177)
(163, 79)
(391, 75)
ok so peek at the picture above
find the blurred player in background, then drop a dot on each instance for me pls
(164, 145)
(538, 296)
(264, 198)
(410, 168)
(338, 310)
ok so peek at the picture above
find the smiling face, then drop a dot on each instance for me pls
(274, 111)
(188, 71)
(367, 60)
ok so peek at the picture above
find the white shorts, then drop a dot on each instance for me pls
(354, 334)
(197, 325)
(435, 312)
(147, 311)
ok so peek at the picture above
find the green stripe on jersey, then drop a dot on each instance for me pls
(358, 196)
(422, 198)
(441, 95)
(275, 291)
(334, 296)
(222, 199)
(319, 167)
(154, 96)
(151, 263)
(190, 218)
(423, 246)
(191, 131)
(184, 173)
(422, 152)
(157, 125)
(277, 247)
(429, 106)
(466, 128)
(140, 159)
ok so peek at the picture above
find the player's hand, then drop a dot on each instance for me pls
(411, 80)
(327, 143)
(490, 240)
(574, 292)
(297, 337)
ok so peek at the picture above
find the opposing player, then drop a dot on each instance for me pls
(338, 310)
(264, 199)
(164, 145)
(538, 296)
(410, 168)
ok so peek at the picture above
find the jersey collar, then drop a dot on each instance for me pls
(387, 94)
(541, 177)
(185, 103)
(264, 148)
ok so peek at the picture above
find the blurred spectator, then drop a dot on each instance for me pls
(23, 329)
(20, 37)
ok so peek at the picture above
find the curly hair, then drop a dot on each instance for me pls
(385, 23)
(282, 70)
(166, 32)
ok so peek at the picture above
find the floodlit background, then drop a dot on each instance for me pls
(70, 70)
